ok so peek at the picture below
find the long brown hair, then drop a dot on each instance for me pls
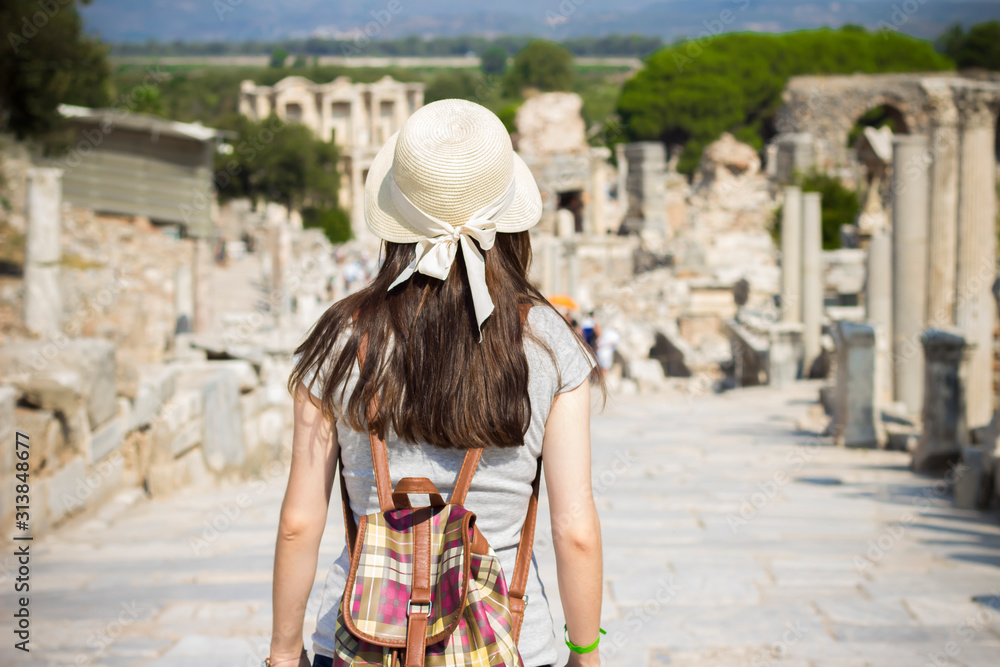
(434, 380)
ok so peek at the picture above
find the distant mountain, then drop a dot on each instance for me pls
(241, 20)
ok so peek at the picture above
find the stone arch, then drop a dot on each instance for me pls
(895, 107)
(877, 116)
(827, 108)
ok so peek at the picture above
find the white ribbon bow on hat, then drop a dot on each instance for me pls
(436, 251)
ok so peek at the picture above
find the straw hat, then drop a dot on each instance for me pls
(451, 159)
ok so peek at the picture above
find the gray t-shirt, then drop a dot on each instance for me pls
(500, 488)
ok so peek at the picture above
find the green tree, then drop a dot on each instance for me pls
(449, 83)
(47, 60)
(691, 92)
(494, 61)
(979, 48)
(278, 57)
(283, 162)
(334, 221)
(840, 206)
(541, 64)
(277, 161)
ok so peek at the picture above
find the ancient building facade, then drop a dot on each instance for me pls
(357, 117)
(943, 195)
(819, 112)
(573, 176)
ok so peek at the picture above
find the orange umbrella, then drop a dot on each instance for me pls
(564, 301)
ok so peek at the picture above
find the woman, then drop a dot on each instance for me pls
(454, 368)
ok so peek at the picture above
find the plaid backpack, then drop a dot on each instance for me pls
(424, 586)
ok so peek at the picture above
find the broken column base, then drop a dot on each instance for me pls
(973, 479)
(945, 433)
(935, 458)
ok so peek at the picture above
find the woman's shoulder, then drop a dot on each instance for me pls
(545, 320)
(567, 351)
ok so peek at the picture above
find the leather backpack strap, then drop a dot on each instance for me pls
(350, 525)
(522, 565)
(464, 480)
(519, 582)
(380, 456)
(419, 607)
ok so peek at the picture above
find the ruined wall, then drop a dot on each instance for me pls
(827, 107)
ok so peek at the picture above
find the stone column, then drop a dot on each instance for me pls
(857, 420)
(279, 247)
(183, 298)
(43, 251)
(203, 262)
(646, 185)
(812, 279)
(909, 279)
(944, 426)
(976, 266)
(878, 312)
(791, 255)
(622, 178)
(597, 207)
(785, 353)
(796, 153)
(943, 223)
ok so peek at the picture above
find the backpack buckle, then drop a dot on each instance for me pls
(419, 604)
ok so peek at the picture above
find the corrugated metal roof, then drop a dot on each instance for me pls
(141, 121)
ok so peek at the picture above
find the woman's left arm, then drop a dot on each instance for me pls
(300, 528)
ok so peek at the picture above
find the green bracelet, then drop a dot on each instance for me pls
(582, 649)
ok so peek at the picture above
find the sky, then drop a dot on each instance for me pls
(240, 20)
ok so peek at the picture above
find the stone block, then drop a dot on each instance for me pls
(784, 359)
(551, 123)
(187, 404)
(827, 398)
(972, 480)
(125, 412)
(220, 386)
(107, 439)
(43, 306)
(99, 483)
(67, 490)
(857, 422)
(59, 375)
(190, 373)
(156, 386)
(178, 426)
(253, 402)
(944, 421)
(187, 471)
(263, 435)
(190, 435)
(647, 374)
(222, 443)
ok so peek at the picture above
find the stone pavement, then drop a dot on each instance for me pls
(732, 537)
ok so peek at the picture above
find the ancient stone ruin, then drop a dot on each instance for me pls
(931, 244)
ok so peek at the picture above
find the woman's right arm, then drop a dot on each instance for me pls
(576, 529)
